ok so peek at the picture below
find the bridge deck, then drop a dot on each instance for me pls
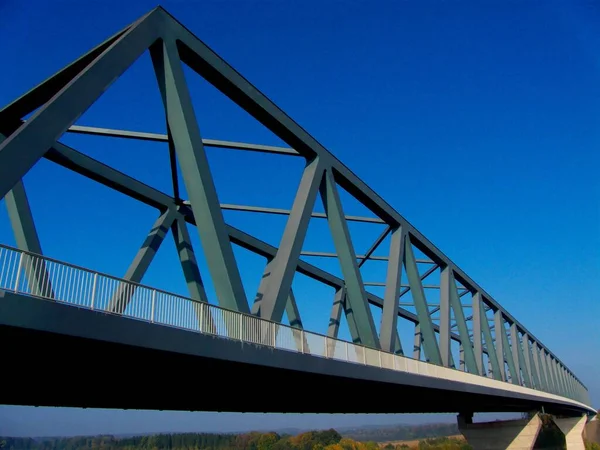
(89, 358)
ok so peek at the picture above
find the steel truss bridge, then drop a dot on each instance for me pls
(97, 336)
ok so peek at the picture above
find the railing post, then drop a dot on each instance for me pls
(17, 279)
(346, 346)
(201, 318)
(153, 305)
(364, 355)
(274, 337)
(94, 283)
(302, 341)
(241, 320)
(379, 353)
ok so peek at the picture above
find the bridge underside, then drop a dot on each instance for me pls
(145, 366)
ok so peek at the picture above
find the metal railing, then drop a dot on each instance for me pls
(47, 278)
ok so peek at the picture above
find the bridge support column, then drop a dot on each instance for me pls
(518, 434)
(572, 428)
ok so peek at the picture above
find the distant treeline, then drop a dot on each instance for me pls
(429, 437)
(402, 432)
(312, 440)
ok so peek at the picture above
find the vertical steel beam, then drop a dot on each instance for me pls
(515, 376)
(533, 378)
(523, 363)
(463, 331)
(418, 342)
(541, 367)
(23, 148)
(197, 177)
(563, 380)
(276, 282)
(499, 341)
(566, 381)
(461, 357)
(445, 281)
(389, 317)
(491, 346)
(356, 296)
(559, 377)
(477, 343)
(142, 260)
(430, 345)
(26, 238)
(552, 367)
(515, 345)
(547, 374)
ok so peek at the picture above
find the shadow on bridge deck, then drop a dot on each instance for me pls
(83, 358)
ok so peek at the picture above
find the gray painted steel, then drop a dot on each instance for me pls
(67, 331)
(60, 101)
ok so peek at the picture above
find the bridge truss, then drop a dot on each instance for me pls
(492, 342)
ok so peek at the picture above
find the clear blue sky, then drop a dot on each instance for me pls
(479, 123)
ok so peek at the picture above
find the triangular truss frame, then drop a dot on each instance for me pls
(60, 100)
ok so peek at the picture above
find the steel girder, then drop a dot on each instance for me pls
(61, 99)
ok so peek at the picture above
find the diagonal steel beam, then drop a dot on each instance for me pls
(477, 332)
(418, 342)
(23, 148)
(539, 366)
(191, 272)
(463, 331)
(293, 314)
(84, 165)
(491, 346)
(430, 345)
(276, 281)
(376, 244)
(356, 296)
(189, 264)
(201, 59)
(197, 176)
(508, 355)
(519, 356)
(423, 277)
(389, 316)
(499, 341)
(173, 167)
(26, 238)
(531, 369)
(44, 91)
(336, 313)
(444, 309)
(141, 262)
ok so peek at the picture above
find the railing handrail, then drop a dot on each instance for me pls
(162, 291)
(326, 337)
